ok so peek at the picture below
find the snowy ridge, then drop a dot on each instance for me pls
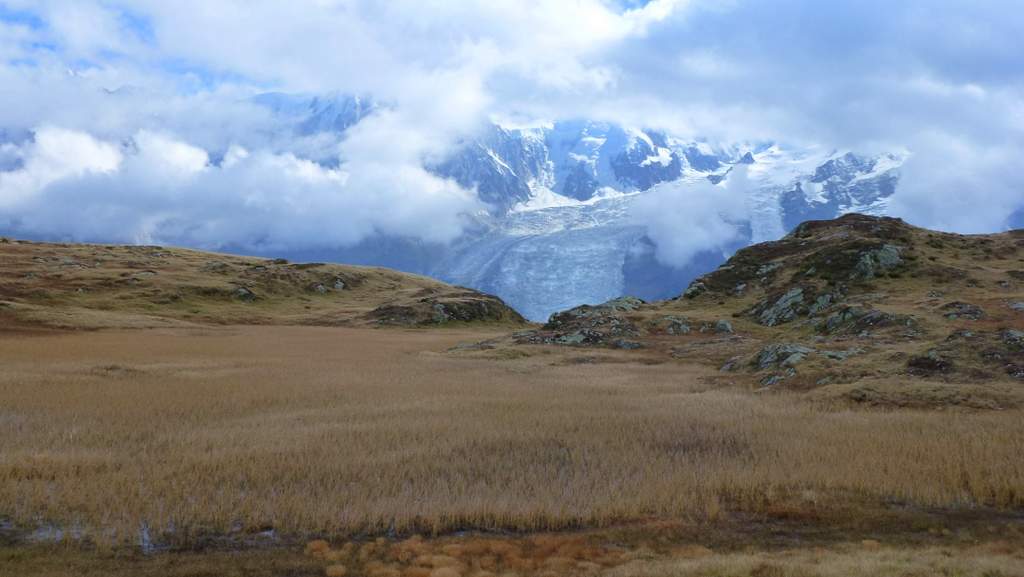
(559, 231)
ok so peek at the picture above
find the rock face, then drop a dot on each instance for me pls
(841, 183)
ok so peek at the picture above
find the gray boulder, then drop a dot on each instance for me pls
(875, 262)
(785, 355)
(723, 326)
(783, 310)
(695, 289)
(244, 294)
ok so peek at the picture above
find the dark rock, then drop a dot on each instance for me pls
(856, 320)
(929, 364)
(695, 289)
(1017, 306)
(842, 355)
(468, 307)
(625, 344)
(961, 310)
(593, 313)
(607, 317)
(1014, 338)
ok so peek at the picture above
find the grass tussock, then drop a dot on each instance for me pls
(334, 432)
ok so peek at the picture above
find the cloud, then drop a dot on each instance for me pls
(951, 184)
(686, 219)
(55, 154)
(858, 75)
(159, 189)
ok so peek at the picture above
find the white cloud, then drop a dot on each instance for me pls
(953, 185)
(73, 186)
(835, 74)
(685, 219)
(55, 154)
(169, 158)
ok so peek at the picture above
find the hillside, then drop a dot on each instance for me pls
(98, 286)
(860, 308)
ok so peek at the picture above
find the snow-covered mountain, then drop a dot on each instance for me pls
(559, 230)
(335, 112)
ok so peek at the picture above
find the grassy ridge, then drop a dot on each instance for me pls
(110, 286)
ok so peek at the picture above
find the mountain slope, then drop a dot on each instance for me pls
(87, 286)
(861, 308)
(559, 228)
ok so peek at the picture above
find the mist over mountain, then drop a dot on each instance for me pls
(577, 211)
(493, 145)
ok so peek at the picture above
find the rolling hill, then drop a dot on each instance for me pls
(863, 308)
(106, 286)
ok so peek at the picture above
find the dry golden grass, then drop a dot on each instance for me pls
(84, 286)
(330, 432)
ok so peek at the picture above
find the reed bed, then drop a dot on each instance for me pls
(177, 434)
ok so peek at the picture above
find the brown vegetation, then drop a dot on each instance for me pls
(873, 311)
(109, 286)
(194, 435)
(825, 405)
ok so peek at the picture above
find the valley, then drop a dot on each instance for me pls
(869, 423)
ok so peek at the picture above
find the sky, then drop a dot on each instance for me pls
(132, 120)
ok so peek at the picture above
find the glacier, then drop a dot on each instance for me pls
(559, 229)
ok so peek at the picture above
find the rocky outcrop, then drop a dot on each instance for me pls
(850, 320)
(961, 310)
(466, 308)
(875, 262)
(588, 325)
(781, 355)
(851, 249)
(779, 309)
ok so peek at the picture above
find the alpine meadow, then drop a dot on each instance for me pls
(554, 288)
